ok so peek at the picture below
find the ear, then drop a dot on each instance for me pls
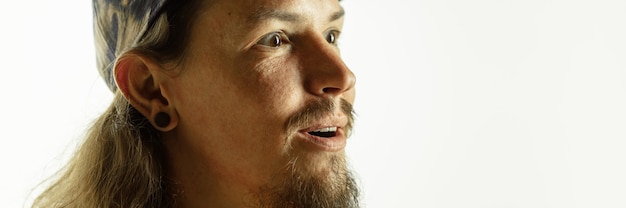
(140, 79)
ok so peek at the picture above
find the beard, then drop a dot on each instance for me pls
(323, 183)
(335, 187)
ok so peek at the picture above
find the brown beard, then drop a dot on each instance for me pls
(298, 185)
(297, 188)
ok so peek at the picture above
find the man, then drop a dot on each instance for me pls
(225, 103)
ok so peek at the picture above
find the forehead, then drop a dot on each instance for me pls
(227, 26)
(252, 11)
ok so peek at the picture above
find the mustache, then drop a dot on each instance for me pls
(320, 109)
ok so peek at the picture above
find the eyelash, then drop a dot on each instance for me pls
(277, 39)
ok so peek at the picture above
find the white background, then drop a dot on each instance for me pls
(483, 103)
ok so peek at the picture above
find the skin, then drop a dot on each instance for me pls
(234, 92)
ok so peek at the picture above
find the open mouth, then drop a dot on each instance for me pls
(324, 132)
(325, 138)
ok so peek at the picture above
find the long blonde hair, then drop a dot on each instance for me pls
(118, 165)
(121, 162)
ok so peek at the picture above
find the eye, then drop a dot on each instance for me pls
(332, 36)
(273, 40)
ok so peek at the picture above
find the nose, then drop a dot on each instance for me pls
(325, 73)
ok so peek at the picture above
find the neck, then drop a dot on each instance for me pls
(195, 183)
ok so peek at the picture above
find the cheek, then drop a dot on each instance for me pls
(350, 95)
(260, 94)
(274, 84)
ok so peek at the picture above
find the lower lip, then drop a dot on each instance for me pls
(331, 144)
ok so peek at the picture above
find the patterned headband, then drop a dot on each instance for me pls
(118, 25)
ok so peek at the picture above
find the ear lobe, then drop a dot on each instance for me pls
(140, 79)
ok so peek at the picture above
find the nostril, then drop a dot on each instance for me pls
(331, 90)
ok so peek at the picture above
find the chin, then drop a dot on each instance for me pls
(321, 164)
(312, 180)
(313, 162)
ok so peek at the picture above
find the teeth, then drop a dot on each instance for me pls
(327, 129)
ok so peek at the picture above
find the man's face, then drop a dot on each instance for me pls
(264, 101)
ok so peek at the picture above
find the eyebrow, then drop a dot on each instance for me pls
(264, 14)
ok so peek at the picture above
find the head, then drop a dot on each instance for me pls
(245, 103)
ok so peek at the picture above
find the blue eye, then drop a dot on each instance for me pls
(273, 40)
